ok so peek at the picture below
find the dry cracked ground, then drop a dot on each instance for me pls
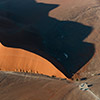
(21, 86)
(80, 55)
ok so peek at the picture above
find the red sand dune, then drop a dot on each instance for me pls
(15, 86)
(19, 60)
(85, 12)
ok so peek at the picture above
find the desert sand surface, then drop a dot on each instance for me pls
(50, 37)
(18, 60)
(17, 86)
(53, 37)
(64, 33)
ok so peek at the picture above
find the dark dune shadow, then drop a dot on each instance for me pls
(60, 42)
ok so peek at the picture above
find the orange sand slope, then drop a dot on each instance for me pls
(87, 45)
(56, 42)
(12, 59)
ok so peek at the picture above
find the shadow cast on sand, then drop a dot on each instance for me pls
(60, 42)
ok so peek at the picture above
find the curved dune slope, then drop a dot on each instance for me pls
(12, 59)
(60, 41)
(68, 32)
(86, 12)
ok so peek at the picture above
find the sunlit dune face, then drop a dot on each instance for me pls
(67, 44)
(19, 60)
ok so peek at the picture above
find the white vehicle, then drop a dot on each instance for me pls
(83, 86)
